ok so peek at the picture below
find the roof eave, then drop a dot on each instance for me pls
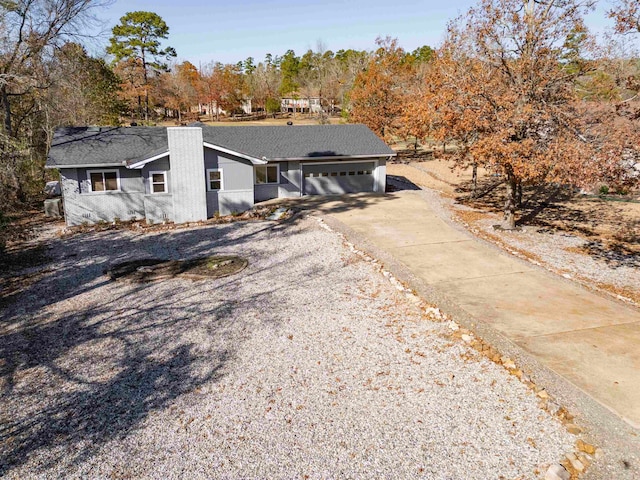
(138, 164)
(254, 160)
(85, 165)
(330, 157)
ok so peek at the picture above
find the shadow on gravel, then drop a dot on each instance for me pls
(615, 254)
(557, 210)
(87, 418)
(71, 383)
(79, 261)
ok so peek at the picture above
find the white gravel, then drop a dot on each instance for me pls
(558, 251)
(308, 364)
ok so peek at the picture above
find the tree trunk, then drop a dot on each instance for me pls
(146, 86)
(415, 145)
(509, 222)
(474, 179)
(6, 107)
(146, 105)
(519, 195)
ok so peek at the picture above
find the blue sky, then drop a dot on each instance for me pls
(229, 31)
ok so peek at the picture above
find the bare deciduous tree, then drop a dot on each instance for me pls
(30, 31)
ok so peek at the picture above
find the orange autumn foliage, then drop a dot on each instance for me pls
(377, 97)
(499, 89)
(626, 14)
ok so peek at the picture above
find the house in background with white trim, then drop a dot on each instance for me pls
(192, 173)
(301, 104)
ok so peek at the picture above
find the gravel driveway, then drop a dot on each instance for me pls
(308, 364)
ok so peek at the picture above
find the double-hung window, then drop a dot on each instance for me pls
(214, 180)
(104, 180)
(267, 174)
(158, 182)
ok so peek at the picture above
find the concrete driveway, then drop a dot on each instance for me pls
(587, 338)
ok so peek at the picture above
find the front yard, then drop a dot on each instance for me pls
(306, 364)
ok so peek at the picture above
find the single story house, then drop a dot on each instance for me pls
(186, 174)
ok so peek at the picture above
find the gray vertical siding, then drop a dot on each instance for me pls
(187, 186)
(158, 207)
(266, 192)
(292, 184)
(83, 206)
(237, 181)
(160, 165)
(288, 183)
(381, 175)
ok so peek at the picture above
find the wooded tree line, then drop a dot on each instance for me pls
(216, 87)
(46, 79)
(519, 86)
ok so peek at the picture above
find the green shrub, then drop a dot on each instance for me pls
(604, 190)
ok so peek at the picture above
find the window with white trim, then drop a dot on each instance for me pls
(158, 182)
(265, 174)
(214, 180)
(104, 180)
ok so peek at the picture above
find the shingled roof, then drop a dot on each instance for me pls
(88, 146)
(298, 141)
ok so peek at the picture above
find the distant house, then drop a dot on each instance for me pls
(212, 108)
(301, 104)
(185, 174)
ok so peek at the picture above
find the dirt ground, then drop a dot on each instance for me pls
(595, 240)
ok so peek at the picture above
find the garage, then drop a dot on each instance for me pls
(338, 178)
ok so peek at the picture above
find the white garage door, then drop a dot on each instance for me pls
(337, 178)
